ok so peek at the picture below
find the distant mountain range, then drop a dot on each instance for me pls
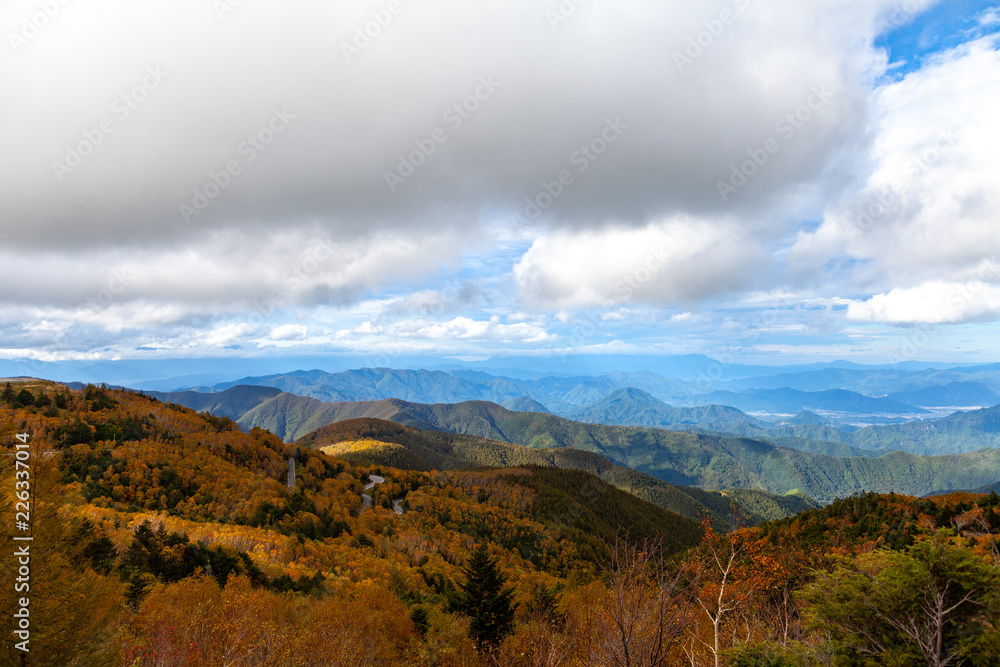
(688, 459)
(422, 386)
(632, 406)
(954, 434)
(910, 392)
(951, 394)
(872, 381)
(792, 401)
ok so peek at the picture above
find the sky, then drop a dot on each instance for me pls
(764, 181)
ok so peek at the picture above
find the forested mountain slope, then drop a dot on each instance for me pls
(685, 459)
(387, 443)
(161, 536)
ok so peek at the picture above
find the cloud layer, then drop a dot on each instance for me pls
(927, 208)
(219, 175)
(310, 135)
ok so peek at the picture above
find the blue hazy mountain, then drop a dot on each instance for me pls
(794, 401)
(951, 394)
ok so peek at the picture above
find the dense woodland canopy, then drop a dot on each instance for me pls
(167, 537)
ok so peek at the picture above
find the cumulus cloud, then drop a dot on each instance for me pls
(935, 302)
(229, 271)
(462, 329)
(928, 205)
(990, 17)
(204, 126)
(680, 261)
(287, 332)
(175, 176)
(453, 297)
(227, 334)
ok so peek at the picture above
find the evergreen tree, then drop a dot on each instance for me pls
(136, 589)
(24, 399)
(42, 401)
(102, 554)
(8, 394)
(420, 619)
(484, 597)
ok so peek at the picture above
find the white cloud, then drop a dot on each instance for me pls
(456, 329)
(464, 328)
(308, 231)
(227, 334)
(927, 210)
(679, 261)
(688, 317)
(935, 302)
(990, 17)
(619, 315)
(229, 271)
(288, 332)
(353, 121)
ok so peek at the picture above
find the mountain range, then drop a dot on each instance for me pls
(859, 395)
(705, 460)
(957, 433)
(791, 401)
(384, 443)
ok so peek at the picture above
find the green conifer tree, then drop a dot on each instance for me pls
(485, 599)
(24, 399)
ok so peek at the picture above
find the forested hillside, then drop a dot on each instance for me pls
(376, 441)
(679, 458)
(164, 537)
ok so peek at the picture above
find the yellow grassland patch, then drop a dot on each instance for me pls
(348, 446)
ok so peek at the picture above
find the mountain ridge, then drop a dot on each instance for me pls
(371, 440)
(679, 458)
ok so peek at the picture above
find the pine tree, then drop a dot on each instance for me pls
(420, 619)
(485, 599)
(137, 588)
(8, 394)
(24, 399)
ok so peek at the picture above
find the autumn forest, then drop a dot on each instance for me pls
(166, 537)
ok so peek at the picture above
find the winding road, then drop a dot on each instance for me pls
(397, 504)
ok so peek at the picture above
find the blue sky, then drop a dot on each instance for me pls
(765, 182)
(912, 40)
